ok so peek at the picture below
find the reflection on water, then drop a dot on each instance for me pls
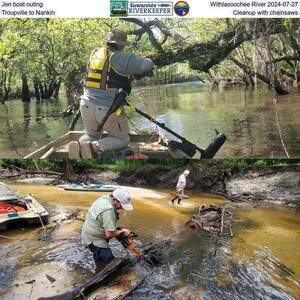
(25, 127)
(261, 261)
(248, 118)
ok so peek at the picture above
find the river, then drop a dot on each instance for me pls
(251, 120)
(261, 260)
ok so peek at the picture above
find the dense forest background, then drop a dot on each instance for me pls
(41, 57)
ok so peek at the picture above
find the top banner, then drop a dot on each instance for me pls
(149, 8)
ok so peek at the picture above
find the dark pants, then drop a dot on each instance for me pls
(101, 254)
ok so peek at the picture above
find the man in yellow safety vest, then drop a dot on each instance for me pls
(109, 69)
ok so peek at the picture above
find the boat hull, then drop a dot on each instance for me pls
(88, 188)
(35, 213)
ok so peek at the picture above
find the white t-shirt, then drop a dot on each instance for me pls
(181, 182)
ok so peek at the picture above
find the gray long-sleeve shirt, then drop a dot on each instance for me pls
(125, 63)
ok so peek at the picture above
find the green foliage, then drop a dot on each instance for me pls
(127, 165)
(48, 51)
(49, 164)
(119, 165)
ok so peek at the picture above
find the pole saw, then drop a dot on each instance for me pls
(185, 146)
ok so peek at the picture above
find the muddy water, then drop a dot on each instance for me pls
(261, 261)
(248, 118)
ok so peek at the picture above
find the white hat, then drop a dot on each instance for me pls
(186, 172)
(123, 196)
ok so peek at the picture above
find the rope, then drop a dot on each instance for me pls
(136, 130)
(279, 129)
(132, 107)
(132, 124)
(156, 131)
(42, 222)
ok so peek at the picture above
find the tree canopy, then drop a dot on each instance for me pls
(38, 56)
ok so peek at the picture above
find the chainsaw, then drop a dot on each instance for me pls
(127, 241)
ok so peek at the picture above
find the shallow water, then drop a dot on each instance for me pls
(261, 261)
(248, 118)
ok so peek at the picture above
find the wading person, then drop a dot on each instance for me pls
(181, 184)
(109, 69)
(101, 224)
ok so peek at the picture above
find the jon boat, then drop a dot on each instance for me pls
(149, 144)
(15, 209)
(97, 187)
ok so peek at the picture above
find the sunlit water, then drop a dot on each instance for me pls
(261, 260)
(248, 118)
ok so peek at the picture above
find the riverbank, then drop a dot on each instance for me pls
(237, 181)
(279, 184)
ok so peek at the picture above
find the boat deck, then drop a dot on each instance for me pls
(150, 144)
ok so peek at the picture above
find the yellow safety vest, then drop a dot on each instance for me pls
(102, 75)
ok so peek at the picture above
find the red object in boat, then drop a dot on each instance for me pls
(3, 210)
(8, 208)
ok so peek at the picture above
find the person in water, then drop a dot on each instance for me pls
(181, 184)
(101, 224)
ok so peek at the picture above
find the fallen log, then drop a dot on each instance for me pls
(212, 219)
(32, 173)
(83, 290)
(232, 198)
(120, 277)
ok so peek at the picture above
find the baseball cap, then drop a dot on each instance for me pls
(123, 196)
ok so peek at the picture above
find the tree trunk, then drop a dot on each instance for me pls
(25, 89)
(56, 89)
(275, 85)
(37, 91)
(41, 89)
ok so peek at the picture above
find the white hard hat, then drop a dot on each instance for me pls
(123, 196)
(186, 172)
